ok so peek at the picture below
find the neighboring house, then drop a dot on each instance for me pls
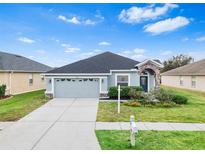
(191, 76)
(21, 74)
(93, 76)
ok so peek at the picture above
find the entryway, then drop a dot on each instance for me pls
(144, 83)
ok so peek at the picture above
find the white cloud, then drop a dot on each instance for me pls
(167, 53)
(136, 54)
(139, 14)
(73, 20)
(89, 22)
(63, 18)
(80, 20)
(69, 49)
(104, 43)
(26, 40)
(200, 39)
(65, 45)
(72, 49)
(166, 25)
(139, 51)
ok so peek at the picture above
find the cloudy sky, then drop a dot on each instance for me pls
(58, 34)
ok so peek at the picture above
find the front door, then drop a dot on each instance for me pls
(144, 82)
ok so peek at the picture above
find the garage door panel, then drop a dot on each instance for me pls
(78, 88)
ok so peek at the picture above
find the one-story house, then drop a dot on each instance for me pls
(93, 76)
(191, 76)
(21, 74)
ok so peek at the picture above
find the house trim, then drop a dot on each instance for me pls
(89, 74)
(121, 74)
(144, 62)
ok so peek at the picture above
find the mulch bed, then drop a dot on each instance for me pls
(4, 97)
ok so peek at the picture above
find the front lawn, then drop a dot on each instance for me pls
(151, 140)
(20, 105)
(191, 112)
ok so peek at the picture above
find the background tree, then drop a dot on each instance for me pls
(176, 61)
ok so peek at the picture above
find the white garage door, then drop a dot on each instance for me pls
(76, 88)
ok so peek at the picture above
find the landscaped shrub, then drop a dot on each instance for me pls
(133, 94)
(137, 88)
(178, 99)
(124, 93)
(2, 90)
(163, 95)
(149, 98)
(113, 92)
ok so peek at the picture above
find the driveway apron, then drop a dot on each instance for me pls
(62, 123)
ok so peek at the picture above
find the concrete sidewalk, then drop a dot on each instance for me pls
(151, 126)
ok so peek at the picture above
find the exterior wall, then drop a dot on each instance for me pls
(134, 78)
(4, 79)
(174, 82)
(105, 82)
(104, 85)
(19, 82)
(48, 85)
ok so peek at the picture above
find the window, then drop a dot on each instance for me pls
(193, 81)
(181, 82)
(122, 80)
(30, 79)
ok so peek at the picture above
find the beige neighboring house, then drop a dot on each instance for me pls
(21, 74)
(191, 76)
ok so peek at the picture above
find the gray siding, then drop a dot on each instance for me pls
(104, 85)
(48, 85)
(134, 78)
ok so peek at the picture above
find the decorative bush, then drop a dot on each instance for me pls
(2, 90)
(137, 88)
(124, 93)
(149, 98)
(133, 94)
(113, 92)
(178, 99)
(163, 95)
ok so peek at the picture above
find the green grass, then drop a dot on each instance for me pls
(151, 140)
(194, 111)
(20, 105)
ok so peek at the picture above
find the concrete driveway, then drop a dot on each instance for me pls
(60, 124)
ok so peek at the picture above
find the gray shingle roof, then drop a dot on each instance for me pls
(12, 62)
(101, 63)
(196, 68)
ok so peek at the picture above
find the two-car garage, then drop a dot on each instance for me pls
(76, 88)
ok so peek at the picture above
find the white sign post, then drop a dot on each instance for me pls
(118, 101)
(133, 130)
